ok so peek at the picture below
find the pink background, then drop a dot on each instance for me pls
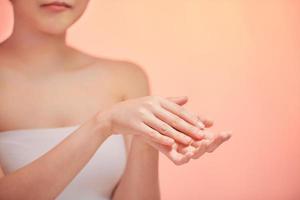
(238, 61)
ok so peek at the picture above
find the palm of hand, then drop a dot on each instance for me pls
(180, 154)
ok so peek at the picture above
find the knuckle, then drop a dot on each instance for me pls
(193, 129)
(160, 137)
(184, 137)
(142, 113)
(164, 127)
(182, 110)
(141, 110)
(176, 122)
(149, 103)
(152, 133)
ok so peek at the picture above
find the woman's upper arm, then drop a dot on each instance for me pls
(135, 81)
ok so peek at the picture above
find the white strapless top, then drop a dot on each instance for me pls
(97, 178)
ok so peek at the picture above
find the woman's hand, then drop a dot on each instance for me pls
(180, 154)
(157, 119)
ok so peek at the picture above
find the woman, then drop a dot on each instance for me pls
(63, 114)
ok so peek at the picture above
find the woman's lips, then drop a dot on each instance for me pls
(56, 6)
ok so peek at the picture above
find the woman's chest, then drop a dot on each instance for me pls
(54, 102)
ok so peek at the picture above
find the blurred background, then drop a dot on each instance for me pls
(238, 61)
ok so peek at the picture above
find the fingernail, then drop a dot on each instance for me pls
(200, 125)
(228, 134)
(201, 135)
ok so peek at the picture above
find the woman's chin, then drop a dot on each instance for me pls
(54, 30)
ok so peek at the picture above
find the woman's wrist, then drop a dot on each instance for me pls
(101, 123)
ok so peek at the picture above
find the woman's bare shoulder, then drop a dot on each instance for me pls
(125, 67)
(132, 76)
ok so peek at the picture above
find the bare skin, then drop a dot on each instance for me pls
(60, 86)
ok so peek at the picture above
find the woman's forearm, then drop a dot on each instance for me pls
(141, 177)
(46, 177)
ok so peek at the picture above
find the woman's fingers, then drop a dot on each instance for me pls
(206, 121)
(167, 130)
(186, 149)
(217, 141)
(201, 149)
(172, 153)
(182, 100)
(154, 135)
(182, 113)
(210, 143)
(180, 154)
(183, 127)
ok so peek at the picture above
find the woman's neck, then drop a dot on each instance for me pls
(36, 49)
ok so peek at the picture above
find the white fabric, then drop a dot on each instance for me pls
(94, 182)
